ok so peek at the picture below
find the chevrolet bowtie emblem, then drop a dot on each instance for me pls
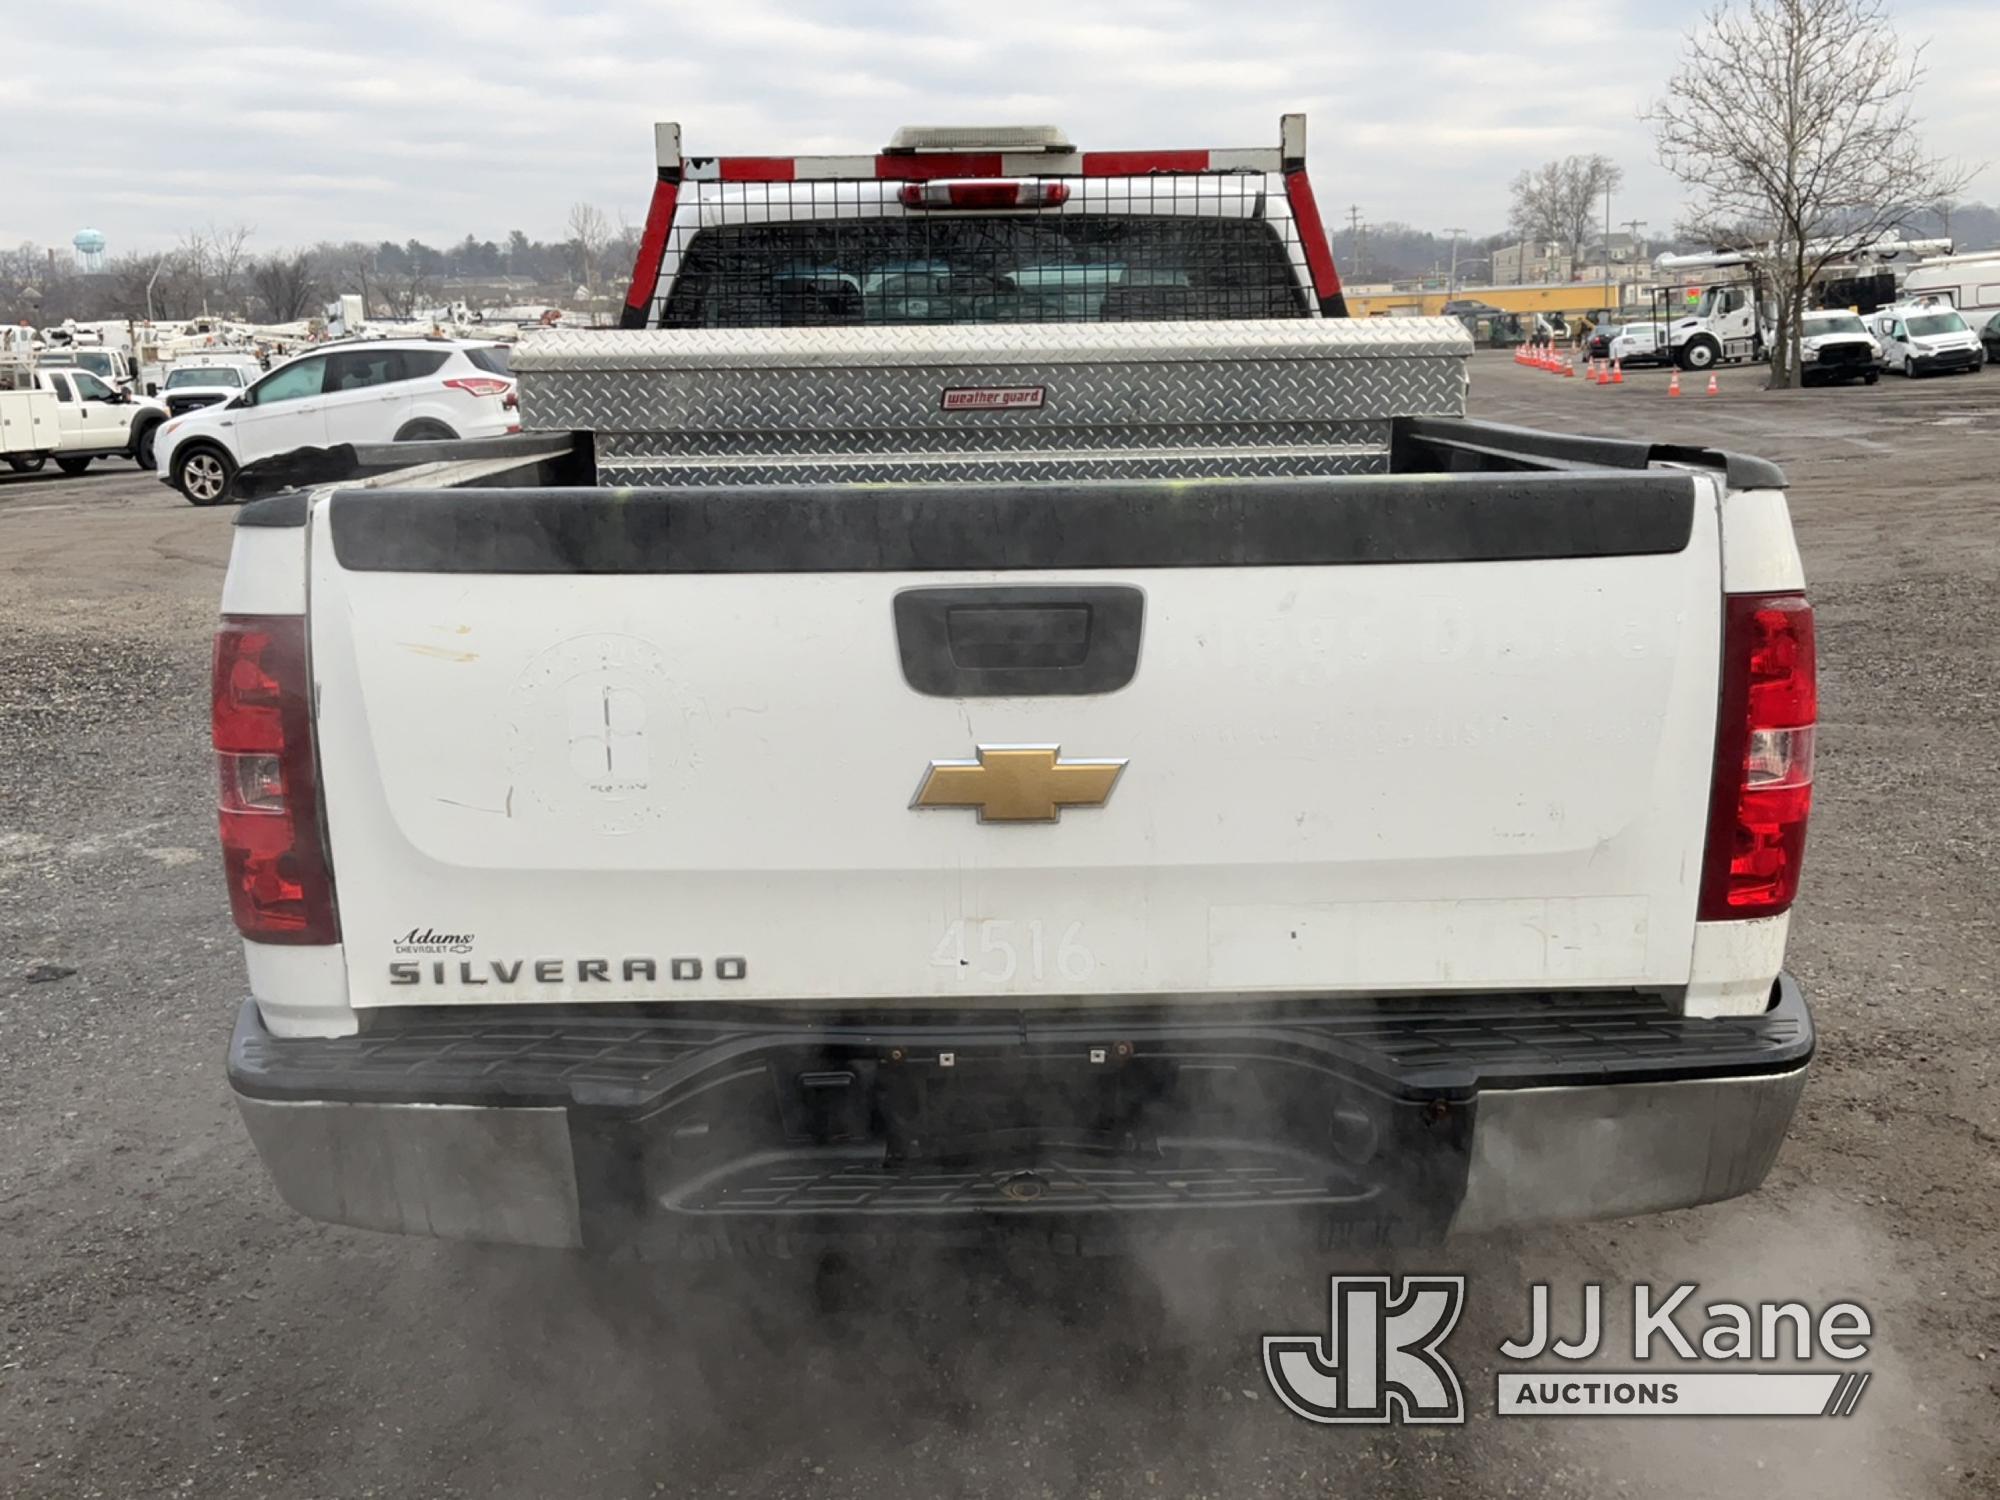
(1018, 783)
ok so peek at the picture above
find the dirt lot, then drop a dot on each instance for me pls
(167, 1327)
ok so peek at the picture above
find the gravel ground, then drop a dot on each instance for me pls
(167, 1327)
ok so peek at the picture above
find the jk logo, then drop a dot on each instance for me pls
(1379, 1361)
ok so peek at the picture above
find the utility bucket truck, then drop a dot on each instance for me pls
(1725, 308)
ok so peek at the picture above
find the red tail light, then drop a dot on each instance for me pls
(280, 887)
(1762, 794)
(479, 385)
(989, 195)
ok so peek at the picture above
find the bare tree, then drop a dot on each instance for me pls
(346, 266)
(590, 232)
(286, 285)
(1794, 119)
(228, 256)
(405, 292)
(1561, 201)
(195, 262)
(622, 249)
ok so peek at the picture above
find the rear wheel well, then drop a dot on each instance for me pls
(425, 430)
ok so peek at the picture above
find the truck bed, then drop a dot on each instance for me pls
(1381, 734)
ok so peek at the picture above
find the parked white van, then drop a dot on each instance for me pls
(1926, 338)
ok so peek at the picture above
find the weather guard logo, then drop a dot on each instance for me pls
(1379, 1361)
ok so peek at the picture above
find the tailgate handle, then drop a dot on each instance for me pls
(1019, 640)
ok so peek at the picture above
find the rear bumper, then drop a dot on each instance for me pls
(1395, 1123)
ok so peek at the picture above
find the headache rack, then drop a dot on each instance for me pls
(982, 225)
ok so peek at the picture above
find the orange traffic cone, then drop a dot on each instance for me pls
(1617, 372)
(1674, 385)
(1569, 369)
(1713, 388)
(1603, 375)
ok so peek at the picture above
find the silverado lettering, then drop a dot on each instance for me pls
(557, 970)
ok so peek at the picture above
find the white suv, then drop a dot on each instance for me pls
(364, 391)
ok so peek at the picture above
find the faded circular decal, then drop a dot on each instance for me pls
(597, 724)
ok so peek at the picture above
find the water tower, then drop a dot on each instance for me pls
(89, 249)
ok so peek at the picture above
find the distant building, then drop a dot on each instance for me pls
(1530, 262)
(1619, 248)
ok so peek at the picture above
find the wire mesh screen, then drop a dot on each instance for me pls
(832, 253)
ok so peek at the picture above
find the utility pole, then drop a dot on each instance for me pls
(1354, 230)
(1451, 286)
(1632, 227)
(1607, 246)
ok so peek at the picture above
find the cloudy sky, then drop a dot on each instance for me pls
(369, 119)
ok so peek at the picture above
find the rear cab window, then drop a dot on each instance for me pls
(936, 269)
(492, 359)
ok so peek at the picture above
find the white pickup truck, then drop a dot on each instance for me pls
(994, 704)
(68, 413)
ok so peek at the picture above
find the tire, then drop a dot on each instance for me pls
(28, 464)
(142, 447)
(1909, 368)
(203, 474)
(72, 466)
(1699, 354)
(1870, 377)
(424, 430)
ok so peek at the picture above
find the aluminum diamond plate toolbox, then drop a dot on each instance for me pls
(992, 402)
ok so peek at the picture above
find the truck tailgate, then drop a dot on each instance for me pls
(1377, 735)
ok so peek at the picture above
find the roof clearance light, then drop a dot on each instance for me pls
(957, 138)
(946, 193)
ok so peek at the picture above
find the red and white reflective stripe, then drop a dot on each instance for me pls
(924, 166)
(652, 248)
(1312, 239)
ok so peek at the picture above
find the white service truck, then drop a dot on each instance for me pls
(67, 413)
(994, 704)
